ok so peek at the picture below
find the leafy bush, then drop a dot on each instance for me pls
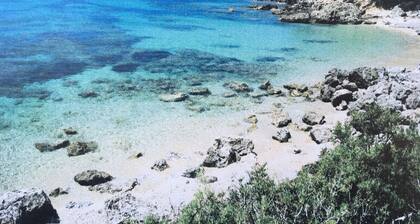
(372, 176)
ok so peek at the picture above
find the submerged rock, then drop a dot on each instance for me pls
(226, 151)
(265, 85)
(239, 87)
(27, 207)
(81, 148)
(313, 118)
(199, 91)
(175, 97)
(48, 147)
(283, 135)
(92, 177)
(160, 165)
(69, 131)
(88, 94)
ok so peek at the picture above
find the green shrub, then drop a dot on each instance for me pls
(372, 176)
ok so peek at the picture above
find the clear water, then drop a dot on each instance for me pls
(131, 51)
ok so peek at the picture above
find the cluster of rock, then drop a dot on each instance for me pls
(397, 90)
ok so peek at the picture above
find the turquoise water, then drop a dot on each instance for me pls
(129, 52)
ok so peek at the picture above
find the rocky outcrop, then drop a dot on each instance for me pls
(321, 11)
(227, 150)
(81, 148)
(92, 177)
(27, 207)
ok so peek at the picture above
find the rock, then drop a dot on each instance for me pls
(197, 108)
(58, 191)
(304, 127)
(351, 86)
(413, 100)
(112, 188)
(252, 119)
(209, 179)
(175, 97)
(226, 151)
(238, 87)
(280, 119)
(313, 118)
(341, 95)
(283, 135)
(258, 95)
(321, 135)
(299, 87)
(81, 148)
(386, 101)
(274, 91)
(343, 106)
(27, 207)
(229, 95)
(265, 85)
(78, 205)
(199, 91)
(47, 147)
(364, 77)
(88, 94)
(326, 93)
(192, 172)
(265, 7)
(92, 177)
(136, 155)
(124, 208)
(160, 165)
(297, 151)
(69, 131)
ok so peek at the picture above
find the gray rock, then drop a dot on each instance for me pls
(341, 95)
(78, 205)
(88, 94)
(69, 131)
(58, 191)
(281, 119)
(160, 165)
(413, 100)
(199, 91)
(343, 106)
(265, 85)
(239, 87)
(299, 87)
(27, 207)
(229, 95)
(209, 179)
(92, 177)
(175, 97)
(81, 148)
(321, 135)
(112, 188)
(192, 172)
(313, 118)
(387, 101)
(283, 135)
(48, 147)
(124, 207)
(226, 151)
(327, 93)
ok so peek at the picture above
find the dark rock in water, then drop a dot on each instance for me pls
(321, 135)
(229, 95)
(192, 172)
(265, 85)
(320, 41)
(226, 151)
(239, 87)
(70, 131)
(80, 148)
(341, 95)
(92, 177)
(47, 147)
(209, 179)
(27, 207)
(313, 118)
(283, 135)
(299, 87)
(263, 7)
(175, 97)
(129, 67)
(150, 56)
(199, 91)
(88, 94)
(57, 192)
(270, 59)
(160, 165)
(280, 119)
(197, 108)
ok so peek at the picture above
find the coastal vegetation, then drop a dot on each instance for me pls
(370, 177)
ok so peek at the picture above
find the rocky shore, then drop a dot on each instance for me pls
(400, 14)
(292, 126)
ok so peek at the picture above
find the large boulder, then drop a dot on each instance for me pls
(92, 177)
(80, 148)
(313, 118)
(413, 100)
(341, 95)
(281, 119)
(226, 151)
(321, 135)
(30, 206)
(283, 135)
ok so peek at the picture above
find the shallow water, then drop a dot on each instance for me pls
(130, 52)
